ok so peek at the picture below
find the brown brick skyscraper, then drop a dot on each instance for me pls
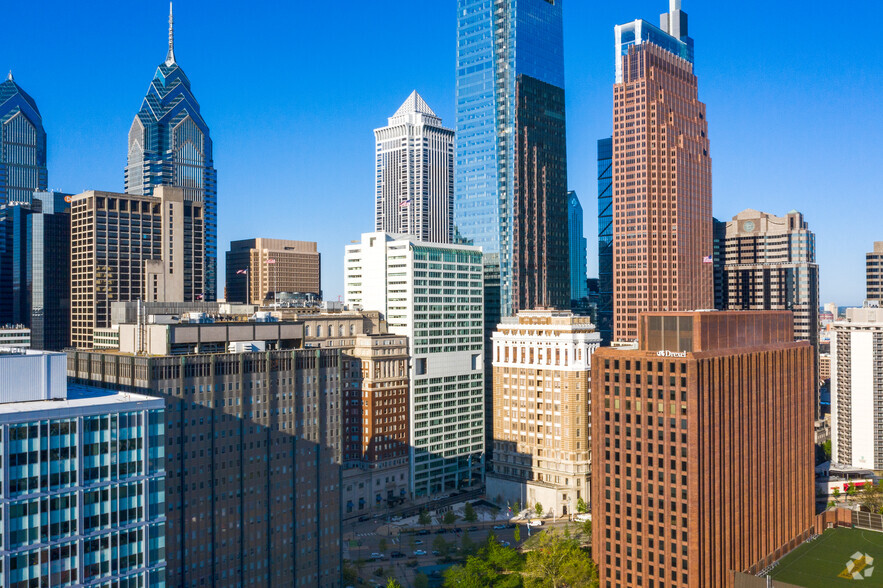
(662, 224)
(702, 448)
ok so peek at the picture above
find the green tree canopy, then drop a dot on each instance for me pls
(449, 518)
(469, 514)
(538, 509)
(871, 497)
(581, 505)
(392, 583)
(421, 581)
(557, 562)
(424, 518)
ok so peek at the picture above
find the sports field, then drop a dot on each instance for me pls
(820, 563)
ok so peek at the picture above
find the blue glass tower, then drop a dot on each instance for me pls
(578, 286)
(169, 145)
(22, 144)
(605, 239)
(500, 42)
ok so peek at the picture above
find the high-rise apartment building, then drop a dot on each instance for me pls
(253, 452)
(542, 443)
(662, 224)
(857, 389)
(511, 174)
(84, 490)
(414, 187)
(169, 145)
(22, 145)
(687, 432)
(129, 247)
(433, 293)
(35, 239)
(770, 264)
(605, 239)
(874, 273)
(259, 269)
(578, 248)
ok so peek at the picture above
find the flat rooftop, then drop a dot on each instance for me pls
(81, 400)
(833, 559)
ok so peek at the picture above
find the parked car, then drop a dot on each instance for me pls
(535, 523)
(396, 554)
(364, 518)
(505, 543)
(396, 519)
(436, 552)
(418, 542)
(376, 555)
(419, 552)
(423, 532)
(499, 527)
(471, 529)
(441, 531)
(511, 526)
(458, 530)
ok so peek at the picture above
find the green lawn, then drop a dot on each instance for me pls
(818, 564)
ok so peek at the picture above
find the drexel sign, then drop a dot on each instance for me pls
(671, 354)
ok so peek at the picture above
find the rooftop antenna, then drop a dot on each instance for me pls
(170, 57)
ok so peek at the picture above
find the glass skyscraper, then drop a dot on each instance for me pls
(35, 239)
(169, 145)
(22, 144)
(605, 239)
(578, 245)
(500, 42)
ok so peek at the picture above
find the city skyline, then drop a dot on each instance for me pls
(787, 125)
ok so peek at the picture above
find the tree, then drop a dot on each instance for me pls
(851, 490)
(495, 566)
(836, 493)
(557, 562)
(440, 545)
(467, 545)
(581, 505)
(421, 581)
(538, 509)
(449, 518)
(382, 545)
(517, 507)
(469, 513)
(392, 583)
(587, 528)
(826, 447)
(424, 518)
(517, 534)
(871, 497)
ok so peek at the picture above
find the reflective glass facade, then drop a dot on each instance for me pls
(578, 245)
(605, 239)
(170, 145)
(85, 499)
(22, 145)
(35, 268)
(497, 40)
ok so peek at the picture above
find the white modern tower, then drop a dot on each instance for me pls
(857, 389)
(434, 294)
(415, 174)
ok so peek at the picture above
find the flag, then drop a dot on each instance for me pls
(271, 261)
(245, 271)
(199, 296)
(707, 259)
(406, 202)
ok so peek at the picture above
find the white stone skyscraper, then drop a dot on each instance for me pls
(415, 174)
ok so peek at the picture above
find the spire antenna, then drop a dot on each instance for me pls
(170, 57)
(9, 77)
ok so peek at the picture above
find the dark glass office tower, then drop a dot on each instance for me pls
(605, 239)
(510, 68)
(170, 145)
(22, 144)
(35, 240)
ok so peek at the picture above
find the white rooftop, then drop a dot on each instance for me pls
(81, 401)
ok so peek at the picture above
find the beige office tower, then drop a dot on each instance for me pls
(128, 247)
(662, 224)
(542, 453)
(874, 273)
(259, 268)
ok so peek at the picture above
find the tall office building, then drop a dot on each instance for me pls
(542, 453)
(511, 174)
(127, 247)
(605, 239)
(578, 248)
(22, 145)
(874, 273)
(414, 193)
(169, 145)
(258, 269)
(770, 264)
(662, 227)
(35, 238)
(84, 489)
(253, 451)
(857, 389)
(689, 433)
(433, 293)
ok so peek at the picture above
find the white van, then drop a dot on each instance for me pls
(583, 517)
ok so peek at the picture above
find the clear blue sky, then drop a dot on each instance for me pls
(293, 90)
